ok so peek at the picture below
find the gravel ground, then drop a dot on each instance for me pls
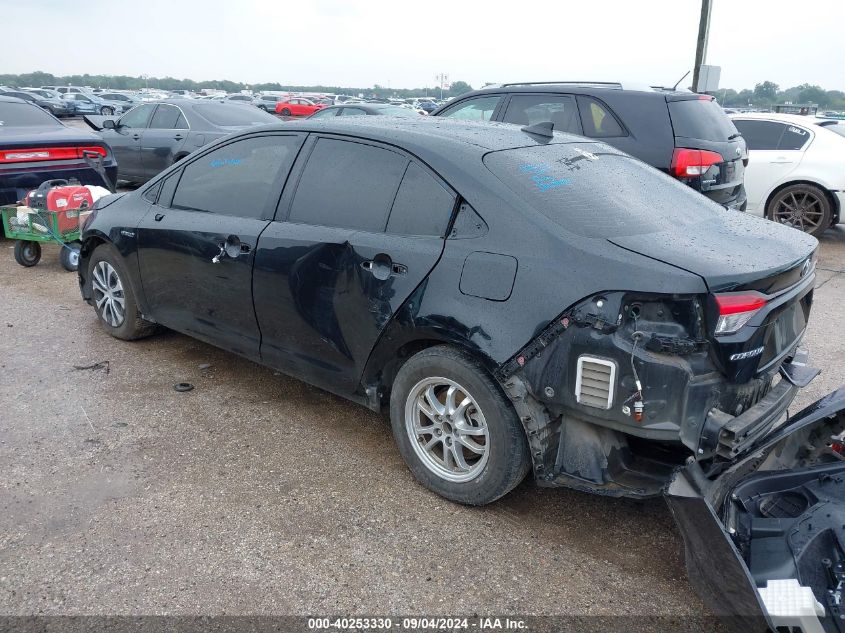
(257, 494)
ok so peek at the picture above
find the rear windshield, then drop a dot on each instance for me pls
(701, 118)
(25, 114)
(234, 115)
(592, 190)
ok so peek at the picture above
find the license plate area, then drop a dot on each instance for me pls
(782, 334)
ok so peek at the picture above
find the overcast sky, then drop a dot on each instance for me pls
(405, 43)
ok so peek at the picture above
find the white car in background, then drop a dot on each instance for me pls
(796, 169)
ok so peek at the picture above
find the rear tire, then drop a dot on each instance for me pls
(106, 111)
(114, 299)
(69, 256)
(27, 253)
(457, 431)
(801, 206)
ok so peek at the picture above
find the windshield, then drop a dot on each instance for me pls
(592, 190)
(24, 114)
(233, 115)
(702, 119)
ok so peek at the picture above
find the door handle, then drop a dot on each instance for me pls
(780, 160)
(178, 137)
(382, 267)
(159, 217)
(136, 137)
(232, 248)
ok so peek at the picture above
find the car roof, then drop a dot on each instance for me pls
(797, 119)
(584, 88)
(10, 99)
(431, 136)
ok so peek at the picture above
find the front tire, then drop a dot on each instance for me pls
(285, 112)
(801, 206)
(114, 299)
(27, 253)
(457, 432)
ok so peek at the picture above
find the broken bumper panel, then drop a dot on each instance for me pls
(765, 540)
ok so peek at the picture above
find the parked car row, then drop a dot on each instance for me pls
(790, 164)
(790, 168)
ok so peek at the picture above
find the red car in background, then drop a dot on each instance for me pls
(297, 107)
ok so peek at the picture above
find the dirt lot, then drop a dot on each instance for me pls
(256, 494)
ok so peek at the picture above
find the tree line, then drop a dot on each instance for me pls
(125, 82)
(768, 93)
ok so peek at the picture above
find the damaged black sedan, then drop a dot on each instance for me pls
(520, 300)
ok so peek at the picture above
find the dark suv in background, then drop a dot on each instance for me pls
(684, 134)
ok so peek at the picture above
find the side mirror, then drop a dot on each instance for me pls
(109, 124)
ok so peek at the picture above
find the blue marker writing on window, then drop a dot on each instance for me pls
(541, 179)
(221, 162)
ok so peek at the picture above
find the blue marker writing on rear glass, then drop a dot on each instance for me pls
(542, 180)
(220, 162)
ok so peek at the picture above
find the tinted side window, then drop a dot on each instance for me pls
(168, 188)
(531, 109)
(347, 185)
(475, 109)
(760, 135)
(151, 194)
(137, 117)
(422, 205)
(238, 178)
(165, 117)
(352, 112)
(597, 120)
(793, 138)
(324, 114)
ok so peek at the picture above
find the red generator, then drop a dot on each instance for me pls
(60, 197)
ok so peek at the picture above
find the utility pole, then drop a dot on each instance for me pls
(701, 44)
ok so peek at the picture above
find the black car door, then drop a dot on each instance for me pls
(164, 137)
(125, 140)
(197, 243)
(364, 227)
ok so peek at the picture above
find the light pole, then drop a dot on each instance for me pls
(701, 43)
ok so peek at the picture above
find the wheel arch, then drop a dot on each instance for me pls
(89, 245)
(393, 350)
(93, 240)
(834, 202)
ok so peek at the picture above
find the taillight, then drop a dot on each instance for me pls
(48, 153)
(693, 162)
(736, 309)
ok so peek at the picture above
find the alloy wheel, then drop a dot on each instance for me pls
(447, 429)
(108, 294)
(802, 210)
